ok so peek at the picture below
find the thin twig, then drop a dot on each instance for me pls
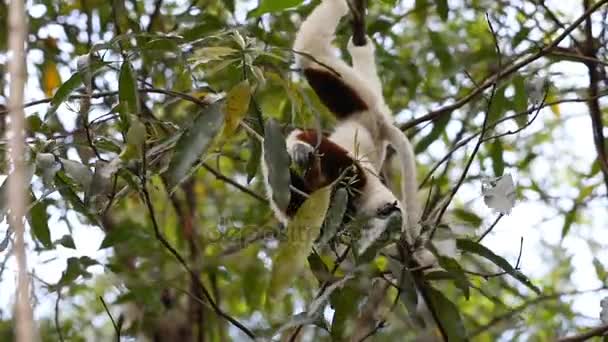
(490, 228)
(57, 325)
(324, 287)
(481, 135)
(599, 331)
(433, 115)
(159, 236)
(167, 92)
(507, 315)
(227, 180)
(116, 327)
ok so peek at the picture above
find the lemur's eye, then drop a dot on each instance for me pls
(387, 209)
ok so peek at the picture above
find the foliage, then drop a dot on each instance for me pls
(158, 114)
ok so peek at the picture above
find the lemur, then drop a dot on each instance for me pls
(357, 146)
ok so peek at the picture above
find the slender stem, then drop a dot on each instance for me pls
(25, 330)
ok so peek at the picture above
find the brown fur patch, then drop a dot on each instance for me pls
(331, 161)
(337, 96)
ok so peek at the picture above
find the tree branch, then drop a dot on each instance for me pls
(357, 9)
(599, 331)
(595, 110)
(433, 115)
(25, 330)
(159, 236)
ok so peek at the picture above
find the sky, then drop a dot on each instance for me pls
(573, 141)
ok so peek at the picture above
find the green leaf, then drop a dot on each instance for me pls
(345, 302)
(440, 48)
(237, 104)
(69, 86)
(301, 233)
(318, 268)
(448, 315)
(408, 293)
(77, 172)
(194, 143)
(600, 270)
(135, 139)
(569, 220)
(496, 152)
(123, 233)
(67, 242)
(72, 271)
(335, 215)
(38, 219)
(128, 95)
(520, 36)
(499, 104)
(254, 160)
(468, 217)
(69, 195)
(64, 92)
(476, 248)
(276, 164)
(442, 9)
(274, 6)
(455, 270)
(438, 128)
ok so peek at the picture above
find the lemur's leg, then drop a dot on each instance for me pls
(341, 89)
(364, 62)
(317, 32)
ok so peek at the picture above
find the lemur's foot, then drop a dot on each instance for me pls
(341, 6)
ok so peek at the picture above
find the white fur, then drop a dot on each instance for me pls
(366, 134)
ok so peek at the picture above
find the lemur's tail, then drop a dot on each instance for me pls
(409, 185)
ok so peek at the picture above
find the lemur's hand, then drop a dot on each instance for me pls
(302, 154)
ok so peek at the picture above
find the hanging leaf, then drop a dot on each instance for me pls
(467, 216)
(448, 316)
(128, 96)
(69, 86)
(237, 104)
(476, 248)
(64, 92)
(276, 164)
(442, 9)
(273, 6)
(408, 294)
(78, 172)
(440, 49)
(67, 242)
(438, 128)
(292, 254)
(51, 79)
(38, 220)
(496, 152)
(135, 139)
(335, 215)
(194, 142)
(254, 160)
(345, 302)
(457, 273)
